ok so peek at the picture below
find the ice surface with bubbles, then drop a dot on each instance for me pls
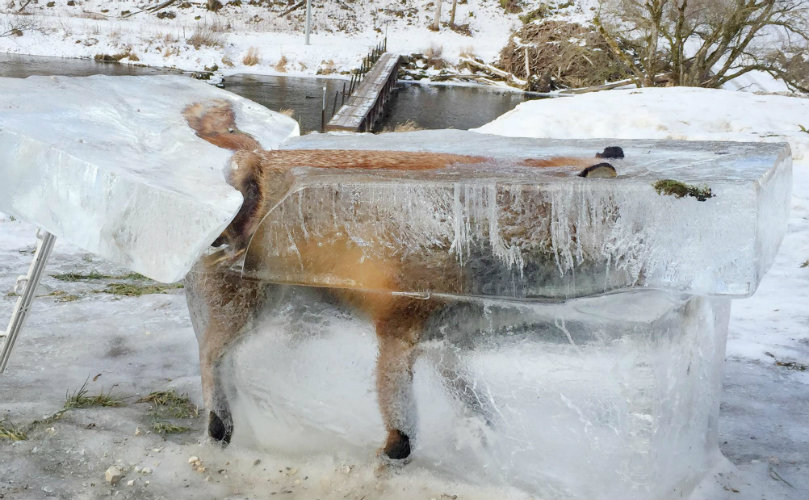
(109, 164)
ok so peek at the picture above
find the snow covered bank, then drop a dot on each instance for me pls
(188, 36)
(686, 113)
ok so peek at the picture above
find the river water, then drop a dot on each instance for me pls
(425, 106)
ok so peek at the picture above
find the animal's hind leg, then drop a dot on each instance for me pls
(462, 385)
(398, 336)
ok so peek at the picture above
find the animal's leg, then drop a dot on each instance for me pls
(397, 337)
(462, 385)
(220, 422)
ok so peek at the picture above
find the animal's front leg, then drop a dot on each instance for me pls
(220, 422)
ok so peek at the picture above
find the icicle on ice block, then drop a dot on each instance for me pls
(500, 229)
(110, 164)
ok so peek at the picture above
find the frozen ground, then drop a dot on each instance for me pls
(131, 346)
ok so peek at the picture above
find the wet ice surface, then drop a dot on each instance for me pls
(127, 178)
(504, 230)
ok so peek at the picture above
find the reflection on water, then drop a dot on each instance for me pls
(433, 107)
(427, 107)
(22, 66)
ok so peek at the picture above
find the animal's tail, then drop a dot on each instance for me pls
(215, 122)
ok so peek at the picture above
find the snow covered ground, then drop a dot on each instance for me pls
(195, 37)
(129, 346)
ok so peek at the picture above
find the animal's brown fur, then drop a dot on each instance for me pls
(263, 177)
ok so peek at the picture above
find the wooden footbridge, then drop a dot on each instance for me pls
(366, 103)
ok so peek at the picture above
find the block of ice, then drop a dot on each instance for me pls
(109, 164)
(614, 396)
(498, 229)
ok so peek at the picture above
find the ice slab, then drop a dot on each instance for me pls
(614, 396)
(504, 230)
(109, 164)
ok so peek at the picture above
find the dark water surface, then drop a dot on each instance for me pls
(424, 106)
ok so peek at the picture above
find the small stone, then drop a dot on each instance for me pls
(146, 470)
(138, 432)
(137, 468)
(193, 459)
(131, 482)
(113, 475)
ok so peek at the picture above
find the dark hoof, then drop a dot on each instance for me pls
(398, 445)
(218, 429)
(611, 152)
(602, 170)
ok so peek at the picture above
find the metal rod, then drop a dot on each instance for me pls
(31, 280)
(334, 104)
(323, 112)
(308, 19)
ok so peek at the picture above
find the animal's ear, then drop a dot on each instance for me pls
(599, 170)
(611, 152)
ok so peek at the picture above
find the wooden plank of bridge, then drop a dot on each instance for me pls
(365, 105)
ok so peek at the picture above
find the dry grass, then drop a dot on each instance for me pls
(281, 65)
(287, 112)
(205, 35)
(226, 61)
(408, 126)
(433, 56)
(11, 432)
(251, 58)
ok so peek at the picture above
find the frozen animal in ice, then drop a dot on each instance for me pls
(232, 301)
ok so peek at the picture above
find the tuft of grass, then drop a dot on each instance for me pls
(204, 35)
(95, 275)
(134, 290)
(407, 126)
(251, 58)
(80, 399)
(11, 432)
(803, 129)
(281, 65)
(805, 263)
(62, 296)
(164, 428)
(169, 404)
(679, 189)
(287, 112)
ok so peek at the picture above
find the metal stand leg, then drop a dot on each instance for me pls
(28, 284)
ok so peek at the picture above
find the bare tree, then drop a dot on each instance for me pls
(707, 43)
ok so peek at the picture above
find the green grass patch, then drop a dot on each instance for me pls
(168, 404)
(95, 275)
(803, 129)
(62, 296)
(11, 432)
(679, 189)
(135, 290)
(80, 399)
(162, 427)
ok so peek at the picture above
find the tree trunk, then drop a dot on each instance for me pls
(436, 24)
